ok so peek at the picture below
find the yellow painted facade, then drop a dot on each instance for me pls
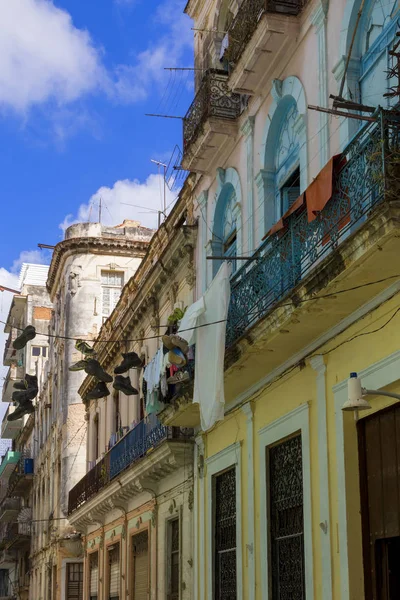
(276, 401)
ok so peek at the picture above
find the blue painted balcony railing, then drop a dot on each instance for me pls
(364, 180)
(145, 436)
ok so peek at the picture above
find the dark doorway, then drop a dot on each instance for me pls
(379, 454)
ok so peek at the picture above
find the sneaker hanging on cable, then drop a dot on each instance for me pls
(94, 368)
(84, 347)
(130, 361)
(26, 336)
(20, 411)
(78, 366)
(100, 390)
(124, 385)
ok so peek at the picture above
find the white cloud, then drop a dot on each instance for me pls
(147, 195)
(136, 82)
(43, 56)
(37, 257)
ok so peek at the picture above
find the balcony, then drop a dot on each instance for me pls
(10, 429)
(9, 509)
(8, 464)
(262, 32)
(22, 478)
(15, 373)
(147, 454)
(181, 411)
(10, 355)
(17, 536)
(293, 293)
(210, 123)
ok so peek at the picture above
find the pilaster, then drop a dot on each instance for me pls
(248, 131)
(317, 363)
(319, 22)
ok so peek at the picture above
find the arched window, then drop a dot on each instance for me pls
(225, 227)
(229, 226)
(376, 33)
(287, 169)
(283, 154)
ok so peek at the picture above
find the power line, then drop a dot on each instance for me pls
(291, 304)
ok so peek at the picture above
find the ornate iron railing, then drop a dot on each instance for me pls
(213, 99)
(94, 481)
(10, 504)
(247, 18)
(147, 435)
(144, 437)
(370, 172)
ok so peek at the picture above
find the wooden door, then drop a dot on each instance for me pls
(379, 454)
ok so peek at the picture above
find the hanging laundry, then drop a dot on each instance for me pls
(187, 328)
(210, 347)
(152, 376)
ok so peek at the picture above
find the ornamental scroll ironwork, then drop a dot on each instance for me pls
(225, 535)
(286, 517)
(369, 173)
(213, 99)
(246, 22)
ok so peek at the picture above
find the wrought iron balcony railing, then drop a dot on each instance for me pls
(94, 481)
(247, 18)
(145, 436)
(370, 172)
(213, 99)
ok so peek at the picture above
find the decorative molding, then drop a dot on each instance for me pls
(317, 363)
(228, 457)
(247, 409)
(280, 429)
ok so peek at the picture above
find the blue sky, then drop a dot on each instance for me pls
(76, 79)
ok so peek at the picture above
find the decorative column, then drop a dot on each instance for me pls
(250, 546)
(266, 217)
(248, 207)
(202, 202)
(317, 363)
(319, 22)
(201, 521)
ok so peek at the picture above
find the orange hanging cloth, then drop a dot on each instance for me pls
(281, 224)
(320, 191)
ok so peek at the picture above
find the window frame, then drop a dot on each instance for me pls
(168, 523)
(217, 464)
(110, 287)
(296, 421)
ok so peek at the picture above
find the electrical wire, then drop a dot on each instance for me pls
(290, 304)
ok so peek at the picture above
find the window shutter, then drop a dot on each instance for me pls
(75, 581)
(114, 573)
(106, 301)
(94, 576)
(141, 566)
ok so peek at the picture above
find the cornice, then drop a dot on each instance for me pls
(86, 245)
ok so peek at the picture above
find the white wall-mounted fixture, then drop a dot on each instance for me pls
(357, 395)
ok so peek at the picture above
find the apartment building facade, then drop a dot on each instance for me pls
(85, 279)
(293, 497)
(134, 505)
(31, 306)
